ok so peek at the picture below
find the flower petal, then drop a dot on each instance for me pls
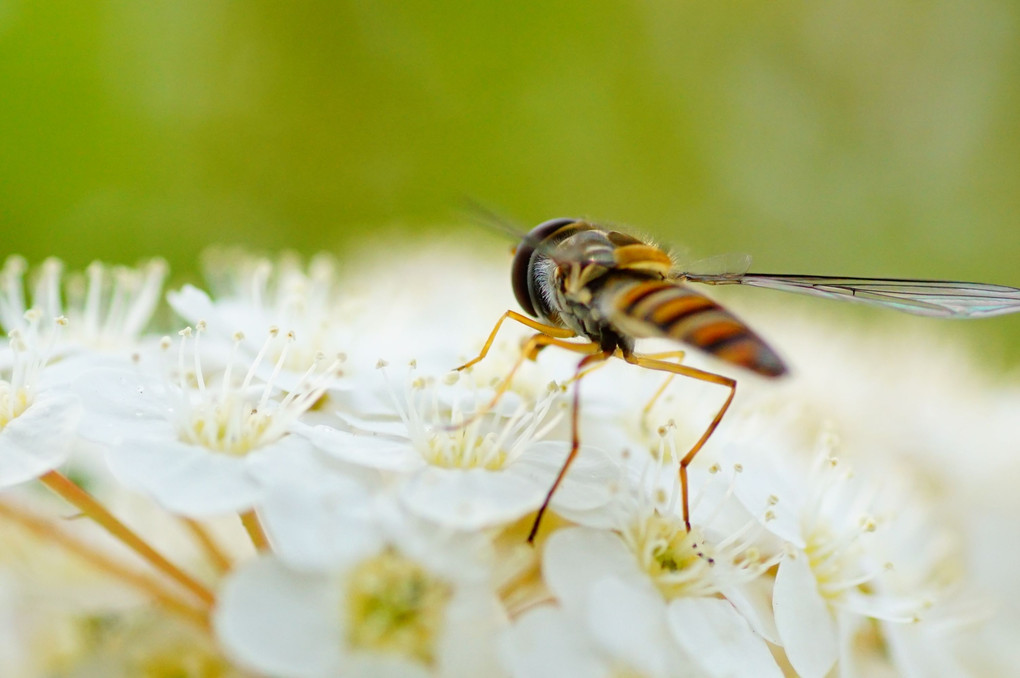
(320, 526)
(280, 622)
(588, 483)
(629, 622)
(576, 558)
(38, 440)
(718, 638)
(546, 643)
(388, 455)
(805, 624)
(183, 478)
(470, 499)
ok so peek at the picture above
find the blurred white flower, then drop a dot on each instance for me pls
(37, 424)
(200, 443)
(846, 538)
(107, 307)
(413, 601)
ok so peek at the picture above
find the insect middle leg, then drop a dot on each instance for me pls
(583, 367)
(701, 375)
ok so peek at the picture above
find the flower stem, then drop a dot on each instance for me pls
(45, 529)
(217, 556)
(253, 525)
(87, 504)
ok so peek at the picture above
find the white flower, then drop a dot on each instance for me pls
(471, 472)
(839, 570)
(251, 295)
(652, 597)
(410, 602)
(199, 443)
(37, 425)
(107, 307)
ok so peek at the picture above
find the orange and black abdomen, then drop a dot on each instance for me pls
(651, 307)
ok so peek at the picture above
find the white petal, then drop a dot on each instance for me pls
(192, 304)
(546, 643)
(39, 440)
(122, 404)
(757, 487)
(470, 499)
(720, 640)
(588, 483)
(322, 525)
(280, 622)
(576, 558)
(629, 622)
(754, 602)
(185, 479)
(363, 450)
(472, 620)
(805, 624)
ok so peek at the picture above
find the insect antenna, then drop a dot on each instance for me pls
(483, 215)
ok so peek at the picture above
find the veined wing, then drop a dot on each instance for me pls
(934, 298)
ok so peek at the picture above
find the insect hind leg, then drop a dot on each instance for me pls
(677, 355)
(654, 363)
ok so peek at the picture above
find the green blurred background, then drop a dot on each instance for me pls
(872, 138)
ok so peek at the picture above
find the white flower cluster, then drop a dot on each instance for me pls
(296, 484)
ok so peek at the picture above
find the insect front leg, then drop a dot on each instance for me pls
(530, 348)
(548, 330)
(694, 373)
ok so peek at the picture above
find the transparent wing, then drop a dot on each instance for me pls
(734, 264)
(935, 298)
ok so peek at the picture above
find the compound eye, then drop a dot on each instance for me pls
(521, 270)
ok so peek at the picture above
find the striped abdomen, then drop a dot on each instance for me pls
(645, 307)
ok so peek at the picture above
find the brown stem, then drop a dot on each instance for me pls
(219, 558)
(45, 529)
(88, 505)
(253, 525)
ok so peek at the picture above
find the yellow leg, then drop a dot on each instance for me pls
(528, 351)
(701, 375)
(679, 356)
(575, 439)
(548, 330)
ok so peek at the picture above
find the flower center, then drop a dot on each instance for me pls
(13, 401)
(232, 427)
(237, 418)
(395, 605)
(464, 449)
(835, 559)
(674, 558)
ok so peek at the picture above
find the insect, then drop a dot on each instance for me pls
(579, 280)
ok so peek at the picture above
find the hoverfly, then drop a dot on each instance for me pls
(579, 280)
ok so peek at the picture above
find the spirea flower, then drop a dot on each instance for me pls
(37, 423)
(302, 484)
(464, 467)
(108, 307)
(201, 442)
(412, 601)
